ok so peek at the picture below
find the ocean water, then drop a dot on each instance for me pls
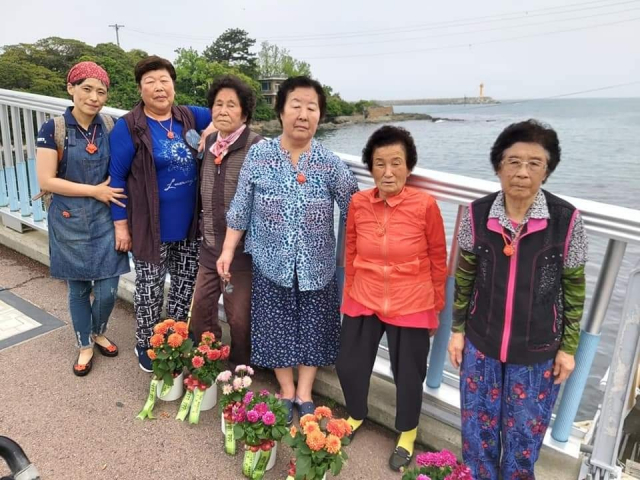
(600, 141)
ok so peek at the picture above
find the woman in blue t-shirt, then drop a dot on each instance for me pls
(72, 163)
(151, 160)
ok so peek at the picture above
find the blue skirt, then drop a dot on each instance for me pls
(290, 327)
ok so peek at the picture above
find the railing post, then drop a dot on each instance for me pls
(21, 166)
(620, 383)
(9, 165)
(589, 339)
(441, 339)
(30, 135)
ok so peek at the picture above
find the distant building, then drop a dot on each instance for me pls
(375, 112)
(481, 90)
(270, 87)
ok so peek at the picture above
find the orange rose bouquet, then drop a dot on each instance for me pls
(318, 445)
(170, 351)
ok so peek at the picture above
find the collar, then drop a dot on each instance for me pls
(287, 154)
(71, 120)
(537, 210)
(391, 201)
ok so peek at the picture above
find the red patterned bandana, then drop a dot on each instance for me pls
(83, 70)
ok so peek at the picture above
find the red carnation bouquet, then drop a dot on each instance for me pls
(205, 363)
(169, 353)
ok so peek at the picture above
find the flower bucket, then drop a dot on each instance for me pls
(175, 392)
(210, 398)
(255, 464)
(291, 477)
(229, 437)
(223, 429)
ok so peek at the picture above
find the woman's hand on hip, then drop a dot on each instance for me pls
(456, 347)
(106, 194)
(123, 236)
(563, 365)
(223, 264)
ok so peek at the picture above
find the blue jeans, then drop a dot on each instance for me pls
(90, 318)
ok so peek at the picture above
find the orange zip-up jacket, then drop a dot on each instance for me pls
(396, 255)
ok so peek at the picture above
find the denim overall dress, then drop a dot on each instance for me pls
(81, 232)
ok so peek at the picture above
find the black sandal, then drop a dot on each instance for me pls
(400, 459)
(110, 351)
(82, 370)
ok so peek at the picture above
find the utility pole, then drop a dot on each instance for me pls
(117, 27)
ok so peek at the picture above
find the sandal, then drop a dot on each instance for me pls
(110, 351)
(305, 408)
(399, 459)
(289, 404)
(81, 370)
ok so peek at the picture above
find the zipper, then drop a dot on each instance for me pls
(508, 311)
(555, 319)
(385, 249)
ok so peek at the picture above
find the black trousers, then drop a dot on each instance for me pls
(408, 351)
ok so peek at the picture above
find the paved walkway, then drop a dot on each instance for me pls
(85, 428)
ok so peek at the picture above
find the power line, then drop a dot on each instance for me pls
(508, 27)
(473, 44)
(117, 27)
(408, 29)
(455, 23)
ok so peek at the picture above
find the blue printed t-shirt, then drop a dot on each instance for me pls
(176, 171)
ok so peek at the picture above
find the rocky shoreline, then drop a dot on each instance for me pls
(273, 126)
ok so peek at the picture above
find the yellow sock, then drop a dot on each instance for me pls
(354, 424)
(407, 439)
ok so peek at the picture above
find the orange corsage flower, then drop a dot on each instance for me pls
(157, 340)
(306, 419)
(175, 340)
(169, 322)
(333, 444)
(323, 412)
(310, 427)
(316, 441)
(151, 354)
(293, 431)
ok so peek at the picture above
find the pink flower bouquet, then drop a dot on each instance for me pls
(438, 466)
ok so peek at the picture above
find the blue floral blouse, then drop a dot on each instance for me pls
(289, 224)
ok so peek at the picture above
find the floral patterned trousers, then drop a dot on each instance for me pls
(505, 410)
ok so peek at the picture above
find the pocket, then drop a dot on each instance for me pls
(96, 168)
(481, 302)
(68, 224)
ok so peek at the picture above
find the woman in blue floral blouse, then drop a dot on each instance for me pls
(284, 203)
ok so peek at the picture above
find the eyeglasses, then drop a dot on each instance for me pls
(514, 164)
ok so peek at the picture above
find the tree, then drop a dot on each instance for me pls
(274, 61)
(232, 48)
(196, 74)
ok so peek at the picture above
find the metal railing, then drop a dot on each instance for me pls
(21, 114)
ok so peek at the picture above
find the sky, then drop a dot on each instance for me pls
(384, 50)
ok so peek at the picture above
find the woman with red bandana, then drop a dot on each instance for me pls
(73, 163)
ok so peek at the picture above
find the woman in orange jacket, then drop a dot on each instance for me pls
(394, 283)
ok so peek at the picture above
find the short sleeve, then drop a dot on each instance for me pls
(202, 117)
(578, 244)
(46, 135)
(465, 232)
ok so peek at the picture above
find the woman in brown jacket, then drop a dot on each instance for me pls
(232, 103)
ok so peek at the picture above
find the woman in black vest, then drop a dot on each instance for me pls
(519, 297)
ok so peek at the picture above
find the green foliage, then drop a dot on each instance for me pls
(42, 67)
(196, 73)
(257, 433)
(232, 48)
(274, 61)
(264, 112)
(336, 106)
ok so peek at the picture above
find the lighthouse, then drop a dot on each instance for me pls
(481, 90)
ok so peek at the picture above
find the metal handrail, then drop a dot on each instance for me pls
(619, 225)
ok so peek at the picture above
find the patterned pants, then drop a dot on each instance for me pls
(505, 411)
(180, 259)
